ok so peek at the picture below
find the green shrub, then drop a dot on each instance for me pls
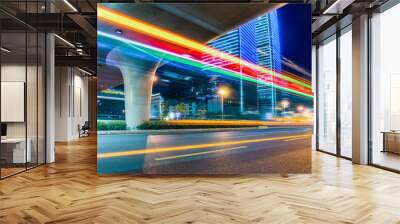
(111, 125)
(157, 125)
(154, 125)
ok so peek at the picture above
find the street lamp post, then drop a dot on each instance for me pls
(300, 108)
(222, 107)
(285, 104)
(222, 93)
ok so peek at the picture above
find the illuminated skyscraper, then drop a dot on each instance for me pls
(230, 43)
(256, 41)
(269, 55)
(240, 42)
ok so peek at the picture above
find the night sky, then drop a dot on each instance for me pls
(295, 34)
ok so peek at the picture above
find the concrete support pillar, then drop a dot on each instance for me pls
(138, 77)
(50, 91)
(50, 98)
(360, 90)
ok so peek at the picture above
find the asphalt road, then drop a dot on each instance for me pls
(277, 150)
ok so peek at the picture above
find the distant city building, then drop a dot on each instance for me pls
(256, 41)
(156, 106)
(110, 105)
(214, 105)
(269, 56)
(192, 109)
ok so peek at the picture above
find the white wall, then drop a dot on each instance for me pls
(12, 73)
(33, 127)
(80, 111)
(71, 102)
(16, 73)
(13, 100)
(62, 83)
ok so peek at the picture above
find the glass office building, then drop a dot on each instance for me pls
(268, 55)
(257, 41)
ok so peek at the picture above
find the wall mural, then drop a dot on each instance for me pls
(204, 88)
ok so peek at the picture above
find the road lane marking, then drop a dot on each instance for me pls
(241, 136)
(293, 139)
(198, 153)
(186, 147)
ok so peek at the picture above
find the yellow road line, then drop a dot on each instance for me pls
(198, 153)
(292, 139)
(186, 147)
(242, 122)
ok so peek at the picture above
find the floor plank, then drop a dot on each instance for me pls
(70, 191)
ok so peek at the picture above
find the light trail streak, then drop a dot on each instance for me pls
(293, 139)
(239, 122)
(198, 153)
(195, 63)
(117, 18)
(188, 147)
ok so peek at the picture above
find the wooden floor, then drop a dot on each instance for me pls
(70, 191)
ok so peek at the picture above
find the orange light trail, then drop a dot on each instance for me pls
(154, 51)
(188, 147)
(286, 122)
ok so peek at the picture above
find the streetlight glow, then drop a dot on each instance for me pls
(222, 92)
(285, 103)
(300, 108)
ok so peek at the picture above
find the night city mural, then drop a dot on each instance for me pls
(186, 89)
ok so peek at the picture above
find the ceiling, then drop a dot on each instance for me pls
(205, 21)
(329, 16)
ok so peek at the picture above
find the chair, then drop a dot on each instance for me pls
(84, 130)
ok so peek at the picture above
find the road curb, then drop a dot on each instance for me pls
(175, 131)
(185, 131)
